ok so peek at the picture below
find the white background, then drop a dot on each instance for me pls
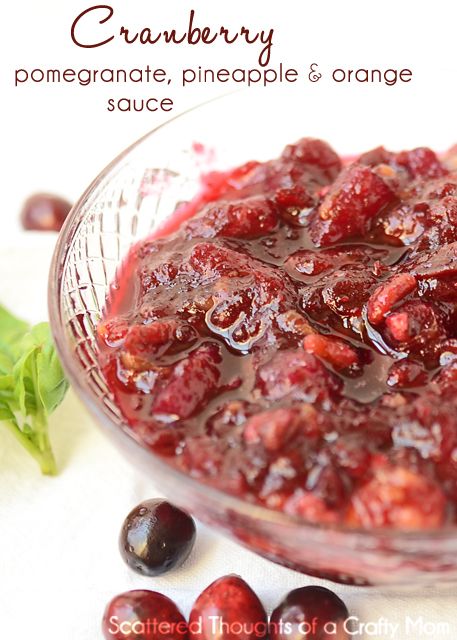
(58, 558)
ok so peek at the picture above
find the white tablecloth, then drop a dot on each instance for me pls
(59, 560)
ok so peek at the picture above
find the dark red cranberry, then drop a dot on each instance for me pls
(44, 212)
(143, 615)
(156, 537)
(228, 610)
(309, 613)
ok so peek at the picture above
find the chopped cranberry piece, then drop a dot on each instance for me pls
(272, 428)
(343, 293)
(300, 375)
(315, 155)
(421, 163)
(211, 260)
(425, 219)
(292, 199)
(294, 322)
(439, 264)
(400, 498)
(328, 483)
(113, 331)
(350, 205)
(193, 381)
(415, 324)
(310, 264)
(351, 454)
(310, 507)
(405, 223)
(145, 339)
(335, 351)
(375, 157)
(246, 218)
(399, 326)
(386, 296)
(405, 374)
(347, 290)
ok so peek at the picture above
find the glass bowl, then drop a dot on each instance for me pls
(134, 195)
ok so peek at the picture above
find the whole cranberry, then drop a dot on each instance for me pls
(44, 212)
(228, 610)
(309, 613)
(143, 615)
(156, 537)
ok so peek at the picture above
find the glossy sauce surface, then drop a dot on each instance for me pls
(295, 341)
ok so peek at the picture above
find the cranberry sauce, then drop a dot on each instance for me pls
(295, 341)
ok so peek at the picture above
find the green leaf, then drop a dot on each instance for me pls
(52, 384)
(6, 382)
(6, 413)
(32, 384)
(23, 381)
(11, 327)
(6, 361)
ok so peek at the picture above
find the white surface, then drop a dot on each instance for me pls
(59, 562)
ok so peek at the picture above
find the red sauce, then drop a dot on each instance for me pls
(294, 340)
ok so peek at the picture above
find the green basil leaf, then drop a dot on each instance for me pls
(32, 385)
(11, 327)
